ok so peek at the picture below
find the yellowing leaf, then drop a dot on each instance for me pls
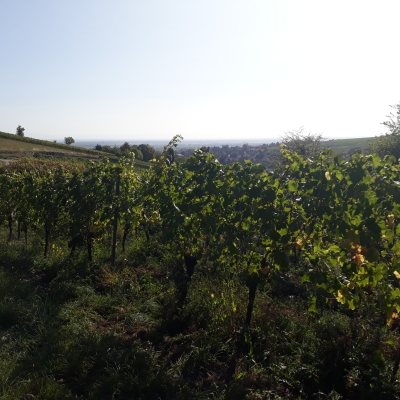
(396, 274)
(359, 259)
(341, 297)
(351, 285)
(328, 175)
(391, 319)
(299, 243)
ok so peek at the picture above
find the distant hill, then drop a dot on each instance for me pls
(13, 146)
(343, 146)
(13, 143)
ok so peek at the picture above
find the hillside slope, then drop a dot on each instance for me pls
(12, 147)
(340, 146)
(9, 141)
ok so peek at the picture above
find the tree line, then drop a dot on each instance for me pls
(143, 152)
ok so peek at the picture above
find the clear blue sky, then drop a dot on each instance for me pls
(209, 69)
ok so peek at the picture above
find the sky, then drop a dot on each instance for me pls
(205, 69)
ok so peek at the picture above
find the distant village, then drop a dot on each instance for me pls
(263, 154)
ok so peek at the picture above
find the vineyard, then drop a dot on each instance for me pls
(201, 280)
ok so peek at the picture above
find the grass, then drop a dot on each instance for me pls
(72, 329)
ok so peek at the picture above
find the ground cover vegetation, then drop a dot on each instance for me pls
(201, 280)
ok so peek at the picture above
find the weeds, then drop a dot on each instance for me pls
(71, 329)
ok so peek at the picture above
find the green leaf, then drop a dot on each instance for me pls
(376, 161)
(379, 357)
(334, 248)
(313, 305)
(292, 186)
(396, 249)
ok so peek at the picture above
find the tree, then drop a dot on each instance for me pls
(307, 145)
(389, 143)
(147, 151)
(137, 152)
(126, 147)
(393, 124)
(20, 131)
(69, 140)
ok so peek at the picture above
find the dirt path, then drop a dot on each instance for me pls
(4, 161)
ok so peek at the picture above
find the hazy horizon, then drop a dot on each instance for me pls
(184, 143)
(159, 144)
(206, 70)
